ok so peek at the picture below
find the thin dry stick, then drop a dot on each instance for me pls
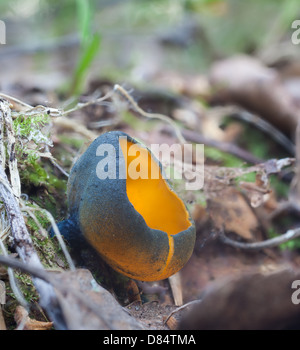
(227, 147)
(293, 202)
(42, 231)
(73, 125)
(162, 117)
(18, 294)
(294, 195)
(54, 163)
(2, 148)
(176, 288)
(6, 121)
(29, 110)
(82, 105)
(24, 247)
(56, 230)
(54, 112)
(14, 99)
(268, 128)
(60, 240)
(42, 274)
(193, 302)
(269, 243)
(11, 141)
(5, 233)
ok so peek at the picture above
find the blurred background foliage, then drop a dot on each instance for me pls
(128, 39)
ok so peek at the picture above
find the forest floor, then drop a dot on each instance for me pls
(245, 111)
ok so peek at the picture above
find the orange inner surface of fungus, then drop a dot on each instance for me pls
(152, 197)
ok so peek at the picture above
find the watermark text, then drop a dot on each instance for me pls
(180, 162)
(2, 33)
(296, 294)
(296, 34)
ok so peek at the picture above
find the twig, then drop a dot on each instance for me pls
(193, 302)
(11, 142)
(42, 231)
(41, 274)
(294, 194)
(54, 112)
(6, 124)
(176, 288)
(4, 234)
(30, 111)
(73, 125)
(14, 99)
(268, 243)
(54, 163)
(2, 148)
(28, 268)
(230, 148)
(60, 240)
(56, 230)
(24, 247)
(18, 294)
(162, 117)
(83, 105)
(268, 128)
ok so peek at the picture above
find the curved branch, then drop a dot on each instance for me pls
(269, 243)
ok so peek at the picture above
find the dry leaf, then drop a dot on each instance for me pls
(228, 207)
(251, 301)
(88, 306)
(25, 322)
(231, 212)
(244, 81)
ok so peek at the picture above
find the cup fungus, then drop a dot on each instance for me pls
(121, 203)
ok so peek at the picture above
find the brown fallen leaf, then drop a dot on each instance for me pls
(79, 301)
(252, 301)
(230, 211)
(245, 81)
(230, 207)
(26, 323)
(88, 306)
